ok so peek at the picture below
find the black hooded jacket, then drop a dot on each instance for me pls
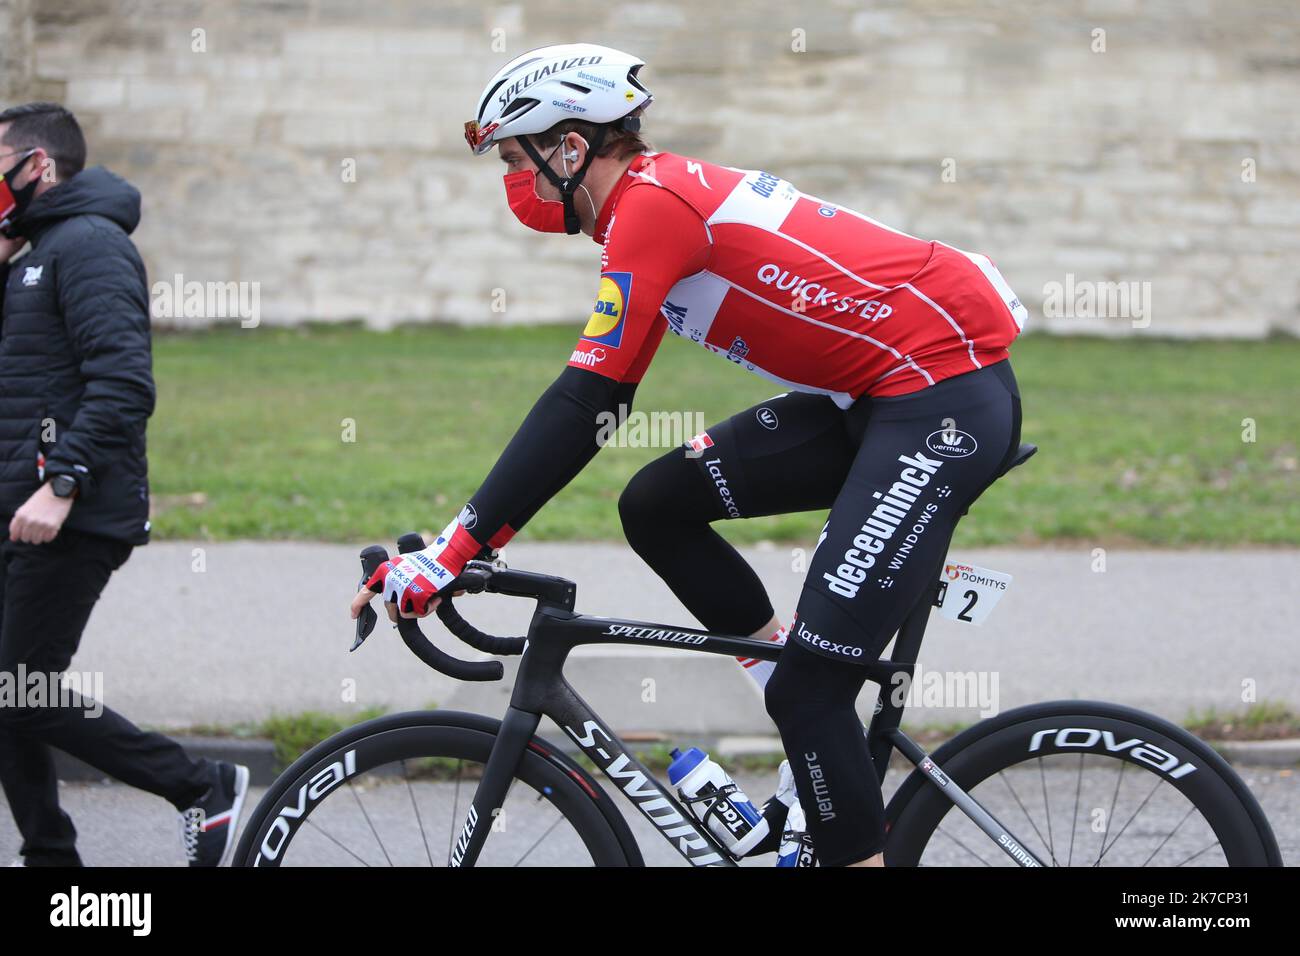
(76, 380)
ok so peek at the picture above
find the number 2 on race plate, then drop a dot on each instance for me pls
(968, 593)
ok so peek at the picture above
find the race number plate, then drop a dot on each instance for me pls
(968, 593)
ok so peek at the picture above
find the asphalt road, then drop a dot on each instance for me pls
(222, 633)
(119, 826)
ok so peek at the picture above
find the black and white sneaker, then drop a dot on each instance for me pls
(208, 828)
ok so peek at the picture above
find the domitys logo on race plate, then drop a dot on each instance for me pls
(953, 571)
(951, 443)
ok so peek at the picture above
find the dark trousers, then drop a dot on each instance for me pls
(46, 595)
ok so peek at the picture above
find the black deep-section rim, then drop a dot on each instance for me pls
(390, 740)
(1217, 792)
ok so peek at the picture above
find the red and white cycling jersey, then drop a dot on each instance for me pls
(808, 293)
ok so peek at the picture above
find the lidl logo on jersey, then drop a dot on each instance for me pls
(606, 323)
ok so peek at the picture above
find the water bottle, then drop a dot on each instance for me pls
(716, 801)
(796, 844)
(796, 847)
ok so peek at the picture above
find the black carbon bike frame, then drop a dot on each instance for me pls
(541, 689)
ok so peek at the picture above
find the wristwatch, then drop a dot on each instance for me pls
(64, 486)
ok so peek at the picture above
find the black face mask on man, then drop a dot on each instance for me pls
(14, 202)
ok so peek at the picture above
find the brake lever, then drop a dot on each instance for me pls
(371, 558)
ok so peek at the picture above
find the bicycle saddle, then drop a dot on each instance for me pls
(1025, 452)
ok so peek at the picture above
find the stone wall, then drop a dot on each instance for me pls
(15, 48)
(1079, 143)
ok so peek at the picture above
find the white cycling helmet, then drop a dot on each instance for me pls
(542, 87)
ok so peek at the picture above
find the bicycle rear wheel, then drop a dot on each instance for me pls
(396, 792)
(1082, 783)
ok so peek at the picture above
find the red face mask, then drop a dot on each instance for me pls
(14, 202)
(7, 201)
(544, 215)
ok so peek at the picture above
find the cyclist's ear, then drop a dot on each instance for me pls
(575, 149)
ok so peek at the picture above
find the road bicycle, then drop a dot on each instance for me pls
(1128, 788)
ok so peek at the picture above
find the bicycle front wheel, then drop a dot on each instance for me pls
(1082, 783)
(396, 791)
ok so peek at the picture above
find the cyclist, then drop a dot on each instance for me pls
(900, 408)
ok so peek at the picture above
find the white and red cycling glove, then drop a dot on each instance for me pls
(413, 580)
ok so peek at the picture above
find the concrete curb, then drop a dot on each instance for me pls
(1260, 753)
(259, 755)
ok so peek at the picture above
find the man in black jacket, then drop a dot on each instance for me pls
(76, 389)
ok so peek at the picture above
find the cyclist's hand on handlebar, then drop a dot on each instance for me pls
(365, 596)
(410, 582)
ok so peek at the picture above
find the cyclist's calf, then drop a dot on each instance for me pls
(812, 699)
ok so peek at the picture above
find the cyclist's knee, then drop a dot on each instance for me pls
(779, 692)
(641, 503)
(664, 493)
(806, 686)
